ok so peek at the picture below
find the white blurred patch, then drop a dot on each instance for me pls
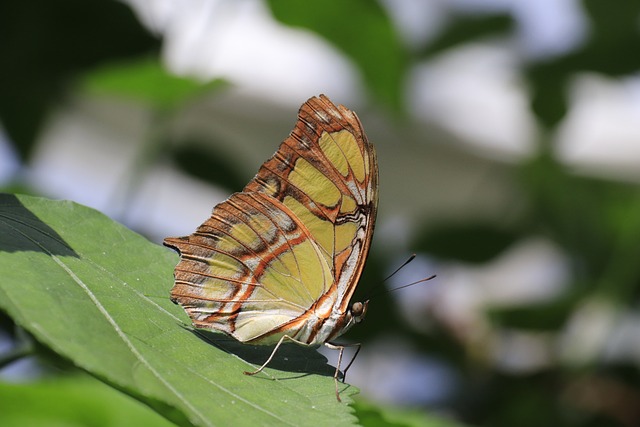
(475, 92)
(584, 336)
(544, 27)
(599, 330)
(240, 41)
(9, 163)
(170, 203)
(601, 133)
(389, 370)
(522, 352)
(85, 158)
(531, 271)
(623, 343)
(550, 27)
(23, 369)
(415, 21)
(86, 155)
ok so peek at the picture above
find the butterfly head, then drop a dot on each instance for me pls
(358, 310)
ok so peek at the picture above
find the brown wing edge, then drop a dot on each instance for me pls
(372, 206)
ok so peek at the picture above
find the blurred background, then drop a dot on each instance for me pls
(508, 137)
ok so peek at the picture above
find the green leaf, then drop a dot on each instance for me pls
(147, 80)
(72, 401)
(468, 29)
(97, 294)
(377, 416)
(363, 31)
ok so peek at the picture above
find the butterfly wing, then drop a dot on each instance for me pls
(287, 251)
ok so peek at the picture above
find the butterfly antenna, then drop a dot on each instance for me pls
(426, 279)
(411, 258)
(379, 285)
(403, 286)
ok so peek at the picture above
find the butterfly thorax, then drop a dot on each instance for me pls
(338, 323)
(317, 329)
(354, 314)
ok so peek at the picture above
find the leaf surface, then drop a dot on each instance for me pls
(72, 401)
(97, 293)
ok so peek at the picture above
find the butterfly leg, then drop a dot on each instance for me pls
(341, 347)
(264, 365)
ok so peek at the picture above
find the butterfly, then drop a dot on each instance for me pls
(281, 260)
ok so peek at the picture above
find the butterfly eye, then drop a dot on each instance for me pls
(357, 309)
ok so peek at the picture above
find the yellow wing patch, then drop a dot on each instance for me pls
(342, 149)
(314, 183)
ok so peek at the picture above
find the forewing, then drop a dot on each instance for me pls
(326, 172)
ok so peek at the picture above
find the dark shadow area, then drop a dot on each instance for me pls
(290, 357)
(21, 230)
(49, 44)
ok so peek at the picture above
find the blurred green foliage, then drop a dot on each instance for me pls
(46, 45)
(51, 47)
(363, 32)
(74, 400)
(146, 80)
